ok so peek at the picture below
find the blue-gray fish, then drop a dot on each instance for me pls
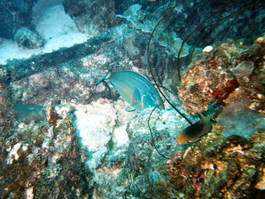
(134, 88)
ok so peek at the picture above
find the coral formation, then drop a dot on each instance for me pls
(6, 110)
(206, 81)
(217, 167)
(209, 79)
(39, 157)
(87, 146)
(233, 168)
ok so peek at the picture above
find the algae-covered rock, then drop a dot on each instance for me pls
(233, 169)
(28, 39)
(121, 153)
(88, 15)
(145, 21)
(6, 110)
(209, 78)
(40, 157)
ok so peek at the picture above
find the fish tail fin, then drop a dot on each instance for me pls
(103, 79)
(99, 81)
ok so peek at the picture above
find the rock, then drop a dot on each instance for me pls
(207, 49)
(28, 39)
(245, 68)
(44, 154)
(88, 15)
(14, 14)
(229, 171)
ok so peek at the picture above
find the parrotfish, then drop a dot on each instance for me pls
(195, 131)
(134, 88)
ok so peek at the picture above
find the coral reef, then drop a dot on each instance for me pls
(210, 79)
(79, 141)
(40, 157)
(206, 81)
(6, 110)
(121, 155)
(232, 168)
(224, 164)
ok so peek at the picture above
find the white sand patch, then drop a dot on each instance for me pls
(58, 29)
(10, 50)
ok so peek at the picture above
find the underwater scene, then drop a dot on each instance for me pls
(132, 99)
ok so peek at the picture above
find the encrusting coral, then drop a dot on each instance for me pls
(43, 155)
(6, 110)
(224, 164)
(233, 168)
(214, 76)
(206, 81)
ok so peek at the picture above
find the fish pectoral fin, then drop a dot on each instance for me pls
(147, 101)
(136, 99)
(142, 101)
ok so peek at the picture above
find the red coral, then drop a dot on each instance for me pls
(222, 94)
